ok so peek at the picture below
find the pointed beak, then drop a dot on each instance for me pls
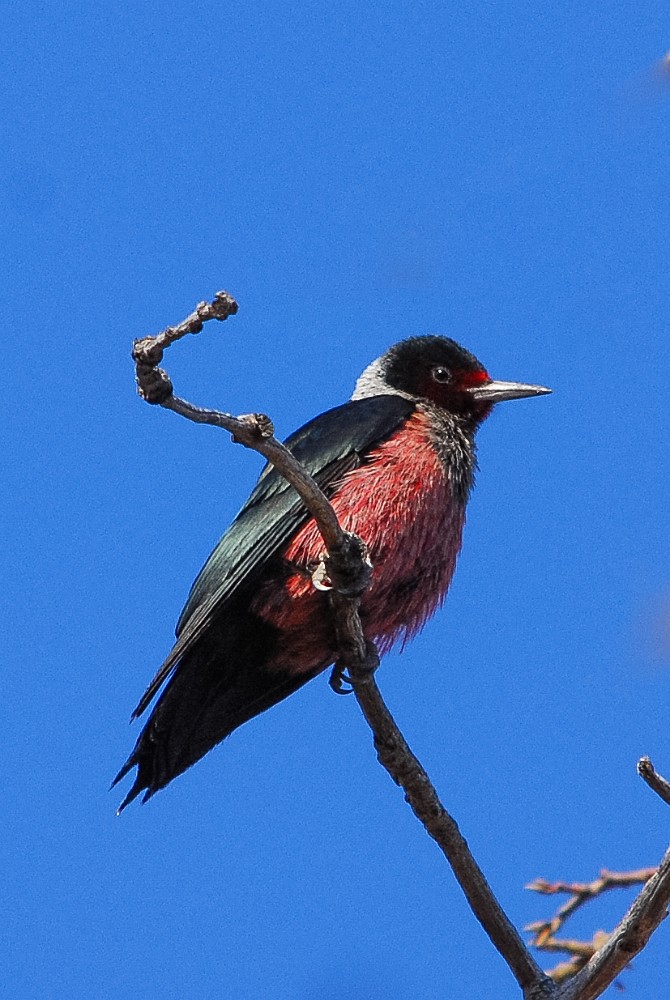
(497, 392)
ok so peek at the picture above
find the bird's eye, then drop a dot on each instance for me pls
(441, 374)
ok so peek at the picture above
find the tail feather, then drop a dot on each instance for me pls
(222, 682)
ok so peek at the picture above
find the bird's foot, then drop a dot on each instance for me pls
(362, 671)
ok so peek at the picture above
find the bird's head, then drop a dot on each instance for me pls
(440, 371)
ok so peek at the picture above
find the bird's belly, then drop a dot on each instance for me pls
(400, 502)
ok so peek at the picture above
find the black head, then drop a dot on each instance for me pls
(440, 371)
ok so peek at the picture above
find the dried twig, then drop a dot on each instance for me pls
(544, 931)
(254, 430)
(349, 571)
(594, 964)
(656, 782)
(395, 755)
(580, 893)
(647, 911)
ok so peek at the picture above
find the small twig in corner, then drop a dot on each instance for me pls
(656, 782)
(544, 931)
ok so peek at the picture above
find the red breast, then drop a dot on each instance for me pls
(400, 502)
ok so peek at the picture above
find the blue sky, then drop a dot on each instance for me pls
(352, 175)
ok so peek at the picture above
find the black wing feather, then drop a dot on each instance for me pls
(328, 447)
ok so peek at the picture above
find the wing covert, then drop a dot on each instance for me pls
(328, 446)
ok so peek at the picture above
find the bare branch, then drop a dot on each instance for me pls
(153, 383)
(254, 430)
(579, 893)
(595, 964)
(544, 931)
(647, 911)
(656, 782)
(580, 952)
(395, 755)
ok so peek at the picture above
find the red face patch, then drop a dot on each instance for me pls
(466, 380)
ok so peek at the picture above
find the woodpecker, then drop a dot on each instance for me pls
(397, 462)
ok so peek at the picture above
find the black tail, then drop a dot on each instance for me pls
(216, 686)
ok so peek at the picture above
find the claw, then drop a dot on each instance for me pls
(336, 679)
(320, 577)
(364, 670)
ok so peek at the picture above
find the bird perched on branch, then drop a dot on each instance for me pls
(397, 462)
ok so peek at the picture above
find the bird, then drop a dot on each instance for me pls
(397, 462)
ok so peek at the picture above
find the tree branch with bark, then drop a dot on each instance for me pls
(346, 571)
